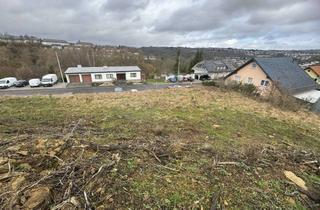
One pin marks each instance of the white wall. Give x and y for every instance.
(199, 70)
(104, 77)
(138, 77)
(114, 77)
(218, 75)
(54, 43)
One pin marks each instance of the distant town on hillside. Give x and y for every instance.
(305, 58)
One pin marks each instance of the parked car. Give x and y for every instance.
(172, 78)
(180, 78)
(188, 78)
(21, 83)
(205, 77)
(7, 82)
(49, 80)
(35, 82)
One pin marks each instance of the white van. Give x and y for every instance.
(7, 82)
(49, 80)
(34, 82)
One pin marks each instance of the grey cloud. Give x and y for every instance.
(292, 14)
(200, 23)
(211, 15)
(123, 6)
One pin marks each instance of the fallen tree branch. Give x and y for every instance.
(156, 157)
(214, 201)
(101, 167)
(310, 162)
(105, 148)
(228, 163)
(166, 167)
(87, 200)
(71, 200)
(67, 139)
(153, 154)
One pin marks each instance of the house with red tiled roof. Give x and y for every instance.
(314, 72)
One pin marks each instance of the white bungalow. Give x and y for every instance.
(81, 74)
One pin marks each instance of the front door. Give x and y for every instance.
(121, 76)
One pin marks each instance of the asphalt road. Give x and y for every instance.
(77, 90)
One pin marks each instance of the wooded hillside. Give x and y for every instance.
(26, 61)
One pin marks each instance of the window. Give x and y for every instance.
(250, 80)
(254, 65)
(133, 74)
(264, 83)
(109, 76)
(98, 76)
(237, 78)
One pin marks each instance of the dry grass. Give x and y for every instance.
(174, 143)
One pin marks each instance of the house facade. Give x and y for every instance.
(314, 72)
(54, 42)
(212, 68)
(103, 74)
(251, 74)
(268, 74)
(83, 44)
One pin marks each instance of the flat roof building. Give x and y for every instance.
(81, 74)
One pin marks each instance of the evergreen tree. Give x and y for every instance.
(176, 65)
(196, 59)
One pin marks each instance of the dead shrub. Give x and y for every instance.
(284, 100)
(159, 130)
(246, 89)
(279, 99)
(209, 83)
(252, 155)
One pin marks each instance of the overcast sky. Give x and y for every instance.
(261, 24)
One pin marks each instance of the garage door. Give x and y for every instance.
(74, 78)
(86, 78)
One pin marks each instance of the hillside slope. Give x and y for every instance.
(197, 148)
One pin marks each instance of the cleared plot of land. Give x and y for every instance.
(185, 148)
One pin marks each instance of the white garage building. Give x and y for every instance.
(81, 74)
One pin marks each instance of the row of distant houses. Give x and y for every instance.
(215, 69)
(267, 74)
(54, 43)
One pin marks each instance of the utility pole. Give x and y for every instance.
(60, 68)
(93, 58)
(179, 65)
(89, 59)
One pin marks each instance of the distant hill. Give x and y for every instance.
(299, 55)
(27, 56)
